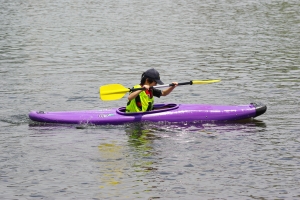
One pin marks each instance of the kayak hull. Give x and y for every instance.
(162, 112)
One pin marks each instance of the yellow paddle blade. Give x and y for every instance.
(206, 81)
(112, 92)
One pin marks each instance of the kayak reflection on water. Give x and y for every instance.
(147, 129)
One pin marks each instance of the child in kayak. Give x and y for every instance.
(142, 100)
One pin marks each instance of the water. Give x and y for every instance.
(54, 55)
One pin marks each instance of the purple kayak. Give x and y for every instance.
(168, 112)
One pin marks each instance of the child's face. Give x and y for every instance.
(153, 83)
(150, 84)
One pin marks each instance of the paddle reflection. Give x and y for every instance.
(111, 154)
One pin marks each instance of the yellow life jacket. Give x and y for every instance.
(141, 103)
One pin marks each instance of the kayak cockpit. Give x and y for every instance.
(156, 109)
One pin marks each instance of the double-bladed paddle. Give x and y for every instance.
(117, 91)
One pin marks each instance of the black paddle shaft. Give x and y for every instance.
(136, 89)
(184, 83)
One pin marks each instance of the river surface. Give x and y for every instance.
(54, 55)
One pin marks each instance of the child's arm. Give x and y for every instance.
(136, 93)
(169, 90)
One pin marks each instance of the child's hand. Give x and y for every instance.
(146, 86)
(174, 84)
